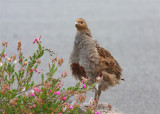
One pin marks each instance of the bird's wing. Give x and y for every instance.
(110, 65)
(96, 61)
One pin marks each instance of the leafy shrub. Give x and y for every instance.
(47, 96)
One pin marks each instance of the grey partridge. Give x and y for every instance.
(89, 60)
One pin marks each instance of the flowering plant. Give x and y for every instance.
(20, 94)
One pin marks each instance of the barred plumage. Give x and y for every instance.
(89, 59)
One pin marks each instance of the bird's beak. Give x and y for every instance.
(76, 23)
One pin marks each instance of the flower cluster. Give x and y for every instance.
(19, 46)
(37, 90)
(63, 75)
(19, 93)
(37, 40)
(80, 98)
(35, 70)
(51, 52)
(60, 61)
(5, 87)
(5, 43)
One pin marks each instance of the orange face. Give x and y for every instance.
(80, 24)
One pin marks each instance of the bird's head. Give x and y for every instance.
(81, 25)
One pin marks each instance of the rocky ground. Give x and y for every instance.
(103, 108)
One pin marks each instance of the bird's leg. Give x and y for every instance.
(97, 96)
(96, 92)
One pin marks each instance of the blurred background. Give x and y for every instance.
(129, 29)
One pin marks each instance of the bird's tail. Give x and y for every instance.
(110, 79)
(123, 79)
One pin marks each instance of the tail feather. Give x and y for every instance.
(110, 79)
(123, 79)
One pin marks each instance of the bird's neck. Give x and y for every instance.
(82, 35)
(84, 32)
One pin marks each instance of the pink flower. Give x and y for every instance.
(84, 86)
(60, 113)
(31, 70)
(57, 93)
(64, 98)
(97, 112)
(36, 90)
(35, 70)
(16, 99)
(39, 72)
(4, 55)
(70, 107)
(35, 40)
(34, 105)
(82, 82)
(50, 92)
(32, 94)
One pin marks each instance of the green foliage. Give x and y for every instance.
(28, 97)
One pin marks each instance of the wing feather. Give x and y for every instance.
(111, 65)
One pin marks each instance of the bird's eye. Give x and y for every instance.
(81, 22)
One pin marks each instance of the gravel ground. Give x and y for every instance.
(129, 29)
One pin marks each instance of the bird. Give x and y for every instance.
(91, 61)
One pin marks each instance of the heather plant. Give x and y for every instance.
(20, 94)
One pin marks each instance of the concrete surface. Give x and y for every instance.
(129, 29)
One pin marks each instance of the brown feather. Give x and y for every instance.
(110, 63)
(89, 59)
(78, 71)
